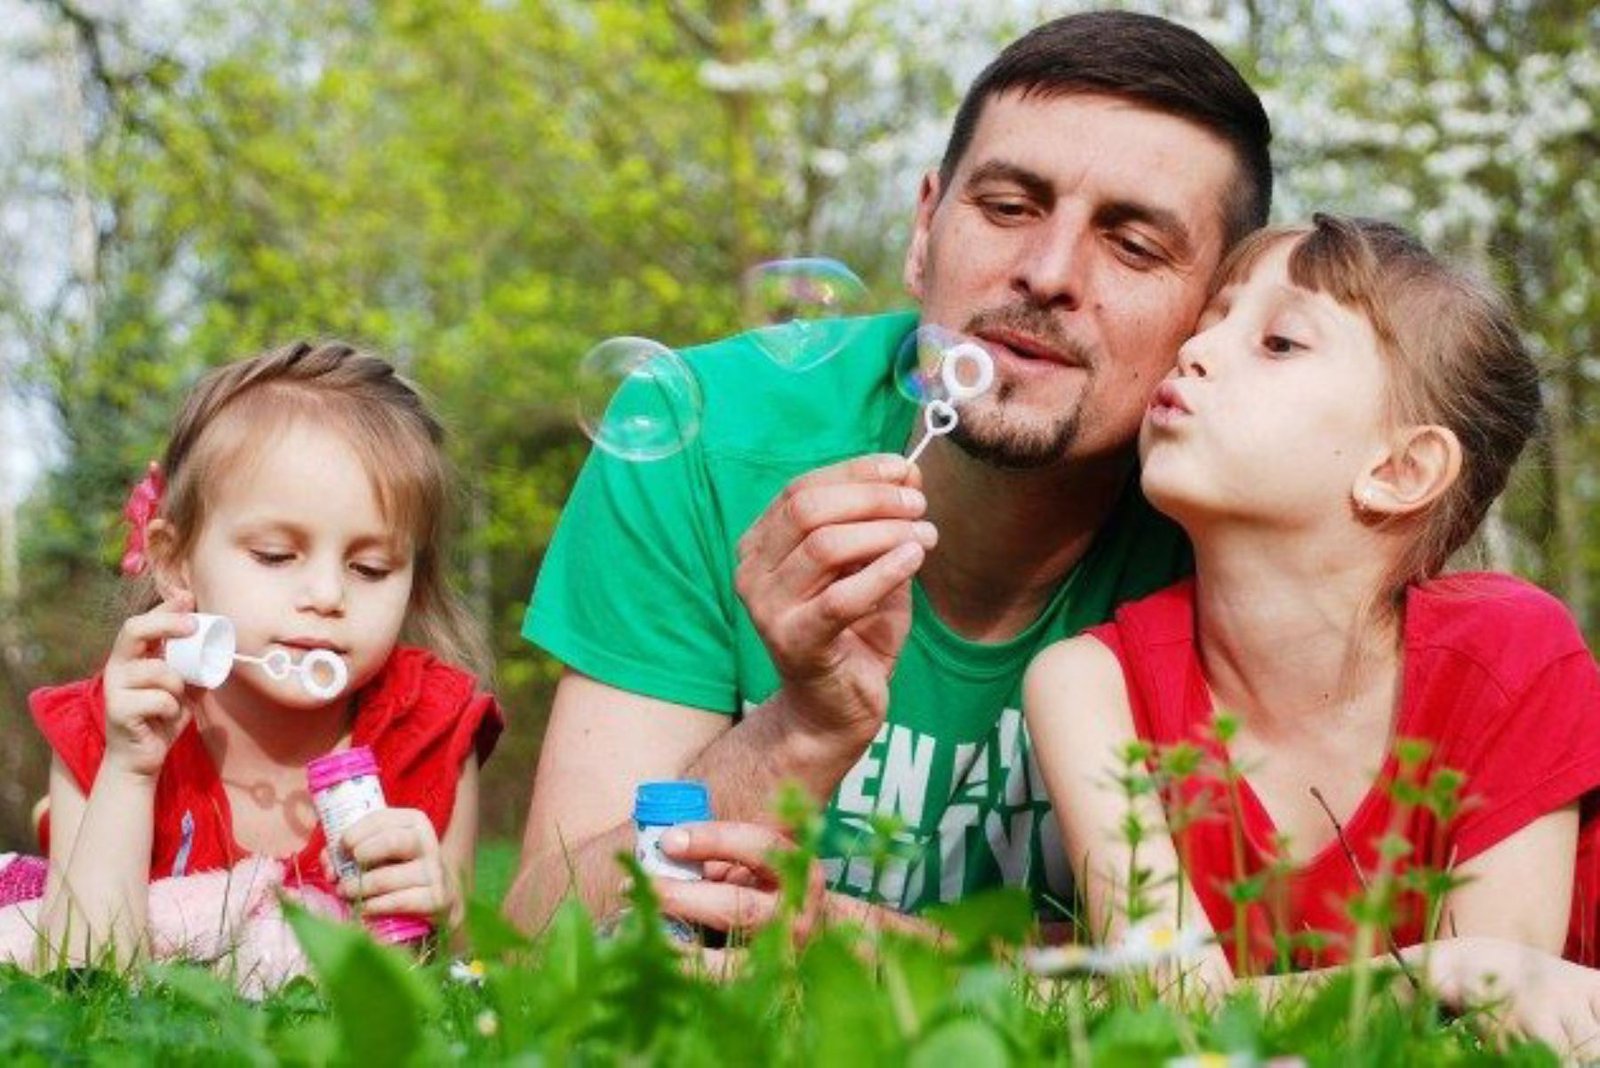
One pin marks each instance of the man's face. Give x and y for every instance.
(1076, 241)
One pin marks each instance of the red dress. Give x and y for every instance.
(1495, 677)
(420, 716)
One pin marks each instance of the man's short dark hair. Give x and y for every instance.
(1150, 61)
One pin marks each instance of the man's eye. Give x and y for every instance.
(1135, 252)
(270, 557)
(1006, 210)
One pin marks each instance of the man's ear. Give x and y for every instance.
(161, 546)
(917, 251)
(1415, 469)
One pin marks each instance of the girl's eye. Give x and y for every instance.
(1279, 345)
(270, 557)
(371, 572)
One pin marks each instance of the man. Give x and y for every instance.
(789, 600)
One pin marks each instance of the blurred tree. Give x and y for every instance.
(481, 191)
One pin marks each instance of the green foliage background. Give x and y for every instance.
(483, 190)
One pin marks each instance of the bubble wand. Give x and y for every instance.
(206, 658)
(940, 417)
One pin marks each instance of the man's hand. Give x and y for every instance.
(402, 866)
(742, 891)
(826, 575)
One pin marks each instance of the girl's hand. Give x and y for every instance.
(145, 712)
(402, 867)
(1527, 991)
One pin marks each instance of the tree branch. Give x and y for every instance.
(696, 26)
(1475, 31)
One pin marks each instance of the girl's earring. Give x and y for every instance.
(1364, 499)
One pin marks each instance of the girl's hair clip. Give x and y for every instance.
(143, 503)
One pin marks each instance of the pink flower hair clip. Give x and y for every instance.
(143, 503)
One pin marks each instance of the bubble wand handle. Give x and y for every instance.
(938, 419)
(323, 673)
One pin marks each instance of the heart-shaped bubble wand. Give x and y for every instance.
(939, 416)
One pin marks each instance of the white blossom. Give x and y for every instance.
(752, 77)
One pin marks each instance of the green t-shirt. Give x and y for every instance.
(637, 592)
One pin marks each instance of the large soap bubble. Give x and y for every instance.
(798, 309)
(637, 399)
(937, 363)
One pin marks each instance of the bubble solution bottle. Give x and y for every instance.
(658, 806)
(344, 787)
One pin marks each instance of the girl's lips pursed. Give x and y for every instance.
(1167, 405)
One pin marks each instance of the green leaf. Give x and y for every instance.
(379, 1000)
(196, 986)
(490, 934)
(967, 1043)
(846, 1016)
(1002, 916)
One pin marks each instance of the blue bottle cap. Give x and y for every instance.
(662, 804)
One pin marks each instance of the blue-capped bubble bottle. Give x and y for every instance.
(658, 806)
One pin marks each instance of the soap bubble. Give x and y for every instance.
(637, 399)
(798, 309)
(935, 363)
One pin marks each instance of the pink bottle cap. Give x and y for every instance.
(335, 768)
(397, 929)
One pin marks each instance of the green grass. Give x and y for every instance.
(574, 996)
(497, 864)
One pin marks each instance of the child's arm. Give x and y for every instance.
(1520, 888)
(1510, 926)
(461, 836)
(96, 896)
(1076, 704)
(406, 867)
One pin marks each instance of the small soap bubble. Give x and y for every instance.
(935, 363)
(637, 399)
(798, 309)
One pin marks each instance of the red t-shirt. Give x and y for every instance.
(1495, 676)
(420, 716)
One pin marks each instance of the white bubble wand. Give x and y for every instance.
(940, 417)
(206, 658)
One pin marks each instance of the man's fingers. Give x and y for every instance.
(746, 844)
(720, 905)
(830, 553)
(814, 624)
(721, 871)
(862, 488)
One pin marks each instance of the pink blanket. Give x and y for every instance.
(230, 920)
